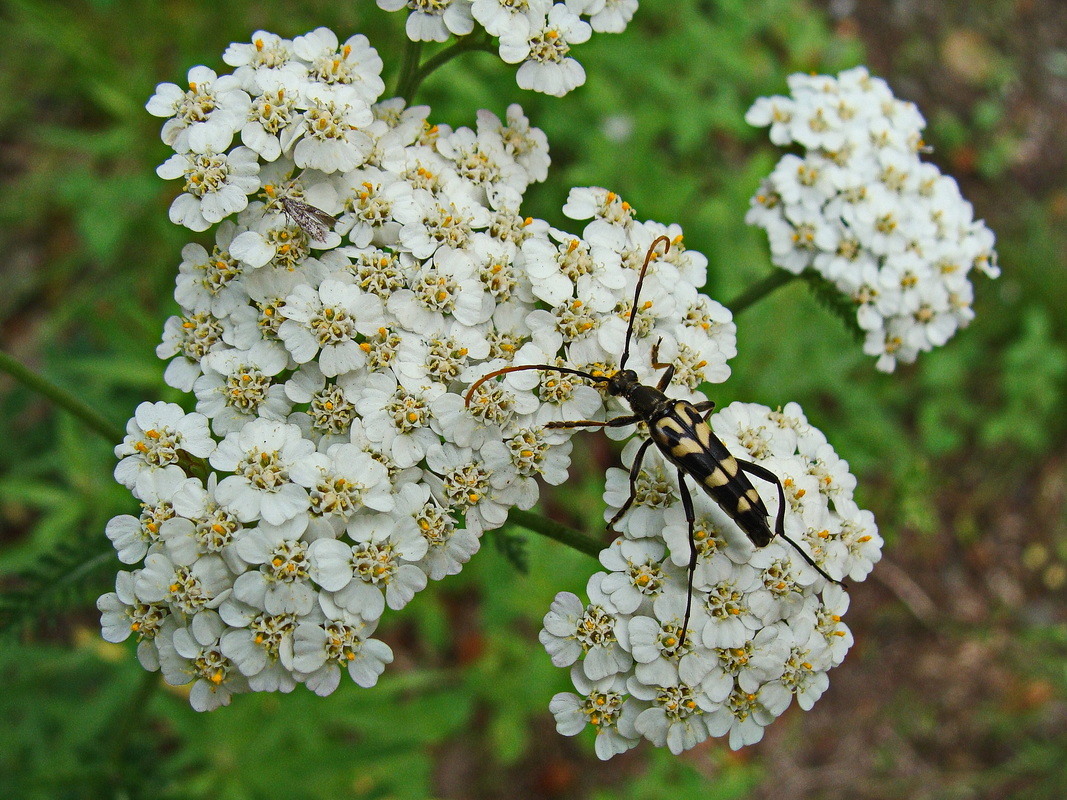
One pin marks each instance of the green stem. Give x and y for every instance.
(758, 291)
(61, 397)
(413, 74)
(412, 54)
(128, 725)
(73, 577)
(555, 530)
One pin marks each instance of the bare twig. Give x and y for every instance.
(911, 594)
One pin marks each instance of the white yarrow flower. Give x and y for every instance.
(433, 20)
(261, 454)
(216, 185)
(863, 211)
(546, 66)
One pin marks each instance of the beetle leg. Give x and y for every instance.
(770, 477)
(622, 422)
(666, 378)
(705, 406)
(635, 470)
(655, 355)
(617, 422)
(779, 525)
(690, 517)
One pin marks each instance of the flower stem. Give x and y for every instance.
(412, 74)
(761, 289)
(404, 87)
(128, 725)
(555, 530)
(61, 397)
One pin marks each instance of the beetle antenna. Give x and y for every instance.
(811, 561)
(637, 294)
(546, 367)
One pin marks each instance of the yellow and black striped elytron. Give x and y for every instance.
(681, 431)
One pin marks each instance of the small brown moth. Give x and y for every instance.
(315, 222)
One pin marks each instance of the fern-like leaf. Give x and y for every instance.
(513, 547)
(67, 578)
(831, 298)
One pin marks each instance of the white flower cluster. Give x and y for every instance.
(535, 34)
(332, 467)
(865, 212)
(764, 625)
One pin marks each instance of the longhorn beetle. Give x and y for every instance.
(686, 440)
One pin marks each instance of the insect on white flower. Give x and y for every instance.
(315, 222)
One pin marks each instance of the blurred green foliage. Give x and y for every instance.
(91, 260)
